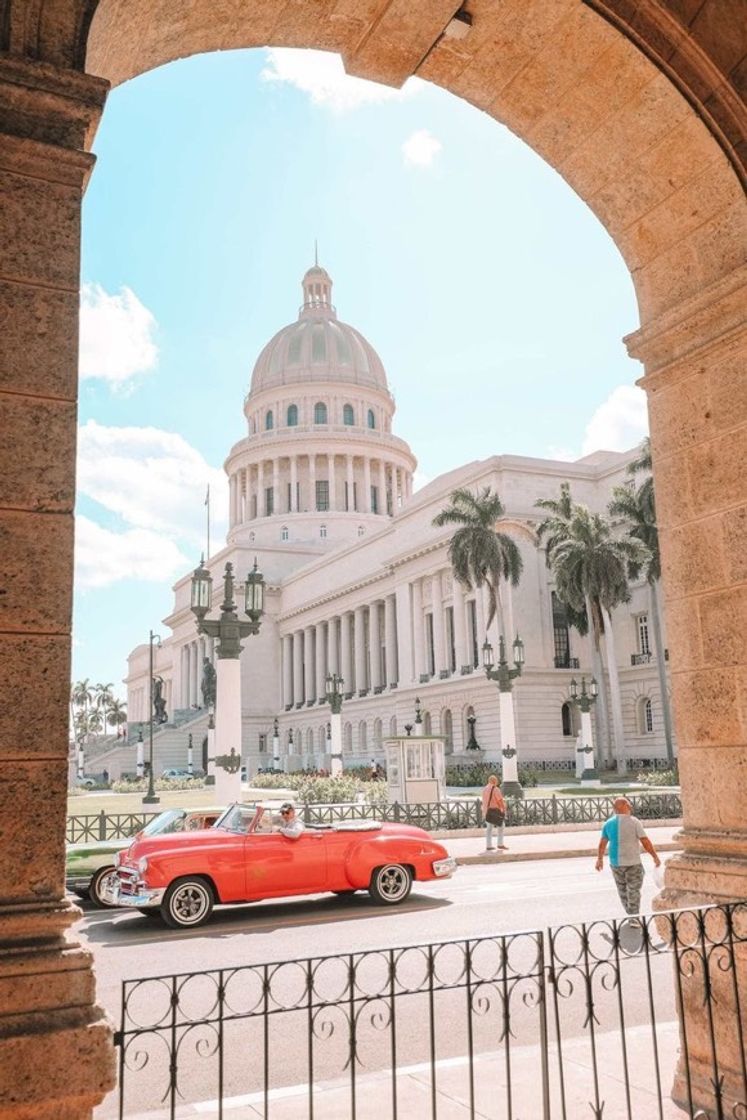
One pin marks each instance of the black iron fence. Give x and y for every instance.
(433, 816)
(579, 1021)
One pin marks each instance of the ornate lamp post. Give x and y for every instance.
(334, 693)
(150, 797)
(140, 756)
(504, 676)
(81, 761)
(229, 632)
(585, 752)
(419, 727)
(275, 744)
(190, 756)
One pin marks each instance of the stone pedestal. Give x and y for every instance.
(56, 1056)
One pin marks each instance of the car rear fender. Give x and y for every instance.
(368, 854)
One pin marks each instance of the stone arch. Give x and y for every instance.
(378, 738)
(347, 737)
(362, 737)
(447, 730)
(646, 125)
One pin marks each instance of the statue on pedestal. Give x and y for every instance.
(208, 686)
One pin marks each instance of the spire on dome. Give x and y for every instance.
(317, 289)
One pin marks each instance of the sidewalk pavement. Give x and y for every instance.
(547, 845)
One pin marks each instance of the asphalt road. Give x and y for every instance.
(478, 902)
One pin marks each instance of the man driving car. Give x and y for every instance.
(290, 825)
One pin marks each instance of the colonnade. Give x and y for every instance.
(192, 655)
(288, 484)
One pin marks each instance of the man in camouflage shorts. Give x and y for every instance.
(625, 836)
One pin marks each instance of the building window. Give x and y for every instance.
(430, 645)
(263, 743)
(323, 532)
(561, 637)
(348, 416)
(284, 533)
(378, 738)
(362, 736)
(642, 627)
(292, 416)
(320, 413)
(451, 638)
(347, 738)
(269, 501)
(269, 422)
(473, 637)
(566, 717)
(645, 717)
(322, 495)
(447, 730)
(374, 499)
(371, 418)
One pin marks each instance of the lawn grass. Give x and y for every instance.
(96, 801)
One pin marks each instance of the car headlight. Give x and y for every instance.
(142, 865)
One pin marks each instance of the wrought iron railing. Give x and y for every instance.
(580, 1021)
(433, 816)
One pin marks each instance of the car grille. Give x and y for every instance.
(128, 880)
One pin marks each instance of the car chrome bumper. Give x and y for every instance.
(144, 898)
(444, 867)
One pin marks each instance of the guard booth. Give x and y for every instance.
(415, 768)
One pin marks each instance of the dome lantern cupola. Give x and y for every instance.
(317, 291)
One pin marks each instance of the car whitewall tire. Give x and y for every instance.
(98, 885)
(187, 903)
(390, 884)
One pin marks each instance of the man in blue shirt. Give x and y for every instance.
(625, 836)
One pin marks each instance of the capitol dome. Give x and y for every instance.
(317, 347)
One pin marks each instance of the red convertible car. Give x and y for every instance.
(245, 858)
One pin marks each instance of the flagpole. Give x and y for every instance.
(207, 506)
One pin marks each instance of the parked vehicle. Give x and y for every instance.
(245, 858)
(89, 866)
(182, 772)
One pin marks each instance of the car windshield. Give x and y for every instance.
(171, 820)
(237, 818)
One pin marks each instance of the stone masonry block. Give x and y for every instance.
(734, 525)
(39, 231)
(692, 557)
(36, 571)
(723, 626)
(718, 472)
(37, 449)
(35, 676)
(38, 341)
(706, 705)
(32, 837)
(713, 782)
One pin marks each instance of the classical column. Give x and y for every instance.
(308, 664)
(351, 482)
(287, 669)
(298, 667)
(332, 662)
(261, 510)
(320, 659)
(382, 487)
(366, 503)
(461, 644)
(346, 650)
(311, 503)
(405, 667)
(390, 639)
(439, 643)
(374, 638)
(56, 1059)
(418, 629)
(332, 482)
(361, 676)
(293, 506)
(276, 504)
(195, 686)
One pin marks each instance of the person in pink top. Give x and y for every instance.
(493, 812)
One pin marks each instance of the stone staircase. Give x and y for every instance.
(169, 748)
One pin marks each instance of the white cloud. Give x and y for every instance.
(619, 423)
(103, 557)
(420, 149)
(419, 480)
(116, 335)
(322, 76)
(154, 480)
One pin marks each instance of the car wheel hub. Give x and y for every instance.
(189, 903)
(392, 882)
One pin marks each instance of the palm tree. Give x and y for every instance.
(636, 510)
(591, 567)
(117, 714)
(104, 696)
(479, 555)
(82, 695)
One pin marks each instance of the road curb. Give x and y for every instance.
(566, 853)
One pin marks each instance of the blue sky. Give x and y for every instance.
(494, 297)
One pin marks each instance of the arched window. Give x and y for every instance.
(322, 738)
(309, 741)
(427, 724)
(371, 418)
(284, 533)
(393, 725)
(378, 740)
(320, 413)
(447, 730)
(347, 737)
(566, 719)
(292, 417)
(645, 716)
(362, 736)
(269, 422)
(323, 532)
(348, 416)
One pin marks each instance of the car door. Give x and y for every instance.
(276, 865)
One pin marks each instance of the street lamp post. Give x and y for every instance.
(334, 693)
(150, 797)
(419, 726)
(140, 756)
(275, 744)
(504, 676)
(229, 631)
(585, 701)
(81, 761)
(190, 756)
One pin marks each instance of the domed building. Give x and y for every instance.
(358, 582)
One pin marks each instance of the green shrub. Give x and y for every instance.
(658, 778)
(478, 773)
(329, 791)
(140, 785)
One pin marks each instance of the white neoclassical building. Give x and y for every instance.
(358, 580)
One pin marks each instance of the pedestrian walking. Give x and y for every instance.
(494, 813)
(625, 836)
